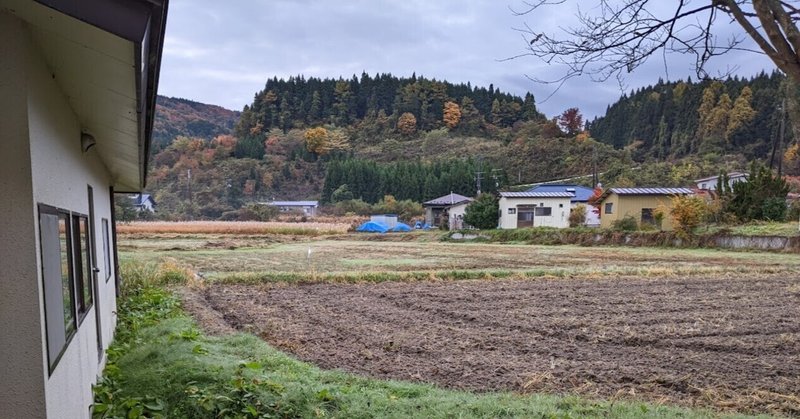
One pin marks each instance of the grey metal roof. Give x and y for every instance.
(294, 203)
(537, 194)
(651, 191)
(449, 199)
(731, 175)
(582, 193)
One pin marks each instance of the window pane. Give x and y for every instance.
(66, 281)
(86, 286)
(106, 249)
(82, 266)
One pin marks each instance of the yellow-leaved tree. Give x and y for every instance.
(322, 141)
(452, 115)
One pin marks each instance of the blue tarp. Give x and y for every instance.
(400, 227)
(372, 227)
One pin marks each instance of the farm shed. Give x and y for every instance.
(534, 209)
(639, 203)
(448, 209)
(78, 82)
(581, 197)
(308, 208)
(144, 202)
(710, 183)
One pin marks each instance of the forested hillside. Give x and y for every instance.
(181, 117)
(359, 139)
(673, 120)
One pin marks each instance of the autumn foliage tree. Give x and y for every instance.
(687, 213)
(571, 121)
(452, 115)
(322, 141)
(407, 124)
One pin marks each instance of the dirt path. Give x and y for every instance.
(729, 343)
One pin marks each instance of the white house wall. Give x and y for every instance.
(592, 217)
(23, 369)
(60, 173)
(559, 217)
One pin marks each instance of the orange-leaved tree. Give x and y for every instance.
(407, 123)
(451, 115)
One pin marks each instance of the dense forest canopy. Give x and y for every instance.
(672, 120)
(299, 102)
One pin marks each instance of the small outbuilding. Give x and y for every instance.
(144, 202)
(307, 208)
(448, 210)
(639, 203)
(710, 183)
(534, 209)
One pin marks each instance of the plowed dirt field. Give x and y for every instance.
(730, 342)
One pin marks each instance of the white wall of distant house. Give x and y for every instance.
(559, 216)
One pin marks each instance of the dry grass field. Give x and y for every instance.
(231, 227)
(692, 327)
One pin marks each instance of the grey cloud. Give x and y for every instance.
(223, 52)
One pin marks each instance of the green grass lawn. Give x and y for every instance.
(788, 229)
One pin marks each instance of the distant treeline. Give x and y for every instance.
(302, 102)
(417, 181)
(676, 119)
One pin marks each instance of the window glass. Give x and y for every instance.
(83, 272)
(66, 277)
(543, 211)
(647, 216)
(106, 249)
(512, 210)
(55, 246)
(609, 208)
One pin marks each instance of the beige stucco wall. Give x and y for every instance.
(47, 141)
(632, 205)
(559, 217)
(22, 382)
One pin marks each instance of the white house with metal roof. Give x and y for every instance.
(534, 209)
(78, 82)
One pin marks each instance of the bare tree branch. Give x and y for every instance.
(614, 37)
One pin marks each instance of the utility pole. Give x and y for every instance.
(781, 138)
(595, 176)
(479, 175)
(189, 190)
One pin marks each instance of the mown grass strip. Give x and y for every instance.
(353, 277)
(162, 366)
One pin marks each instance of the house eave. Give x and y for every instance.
(143, 23)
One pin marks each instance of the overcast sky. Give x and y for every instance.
(223, 52)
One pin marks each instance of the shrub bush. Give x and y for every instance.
(483, 213)
(687, 213)
(577, 216)
(627, 223)
(774, 209)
